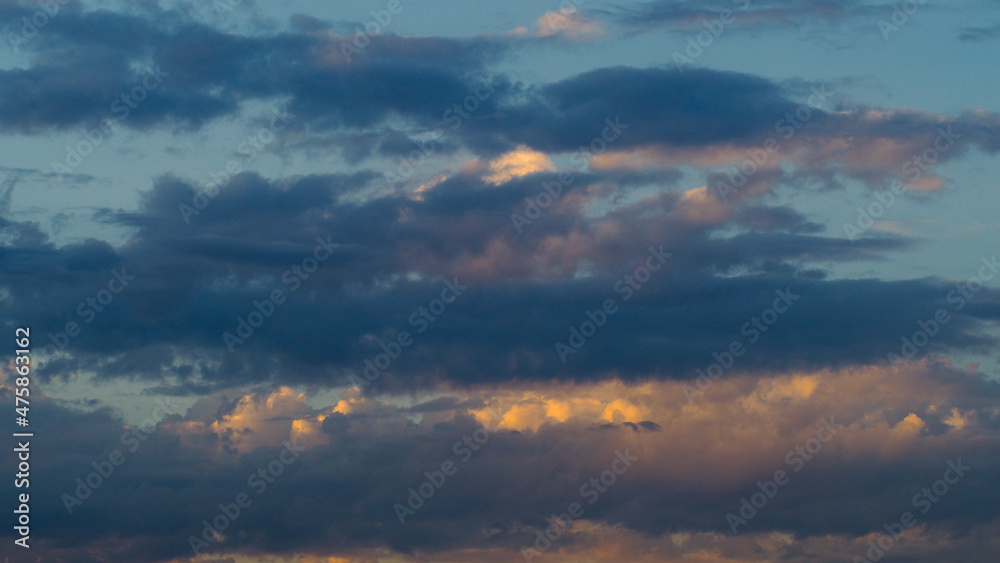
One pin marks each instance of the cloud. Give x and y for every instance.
(378, 105)
(256, 421)
(525, 292)
(632, 119)
(567, 23)
(975, 34)
(562, 272)
(685, 15)
(75, 76)
(520, 162)
(898, 429)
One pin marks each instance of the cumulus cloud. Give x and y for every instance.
(893, 432)
(567, 23)
(520, 162)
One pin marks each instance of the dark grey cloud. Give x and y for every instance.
(193, 281)
(685, 15)
(77, 74)
(193, 270)
(700, 108)
(658, 107)
(83, 61)
(377, 101)
(976, 34)
(198, 279)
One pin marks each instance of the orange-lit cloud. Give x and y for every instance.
(520, 162)
(567, 23)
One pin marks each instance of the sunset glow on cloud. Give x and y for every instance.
(400, 282)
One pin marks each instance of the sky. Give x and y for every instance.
(421, 281)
